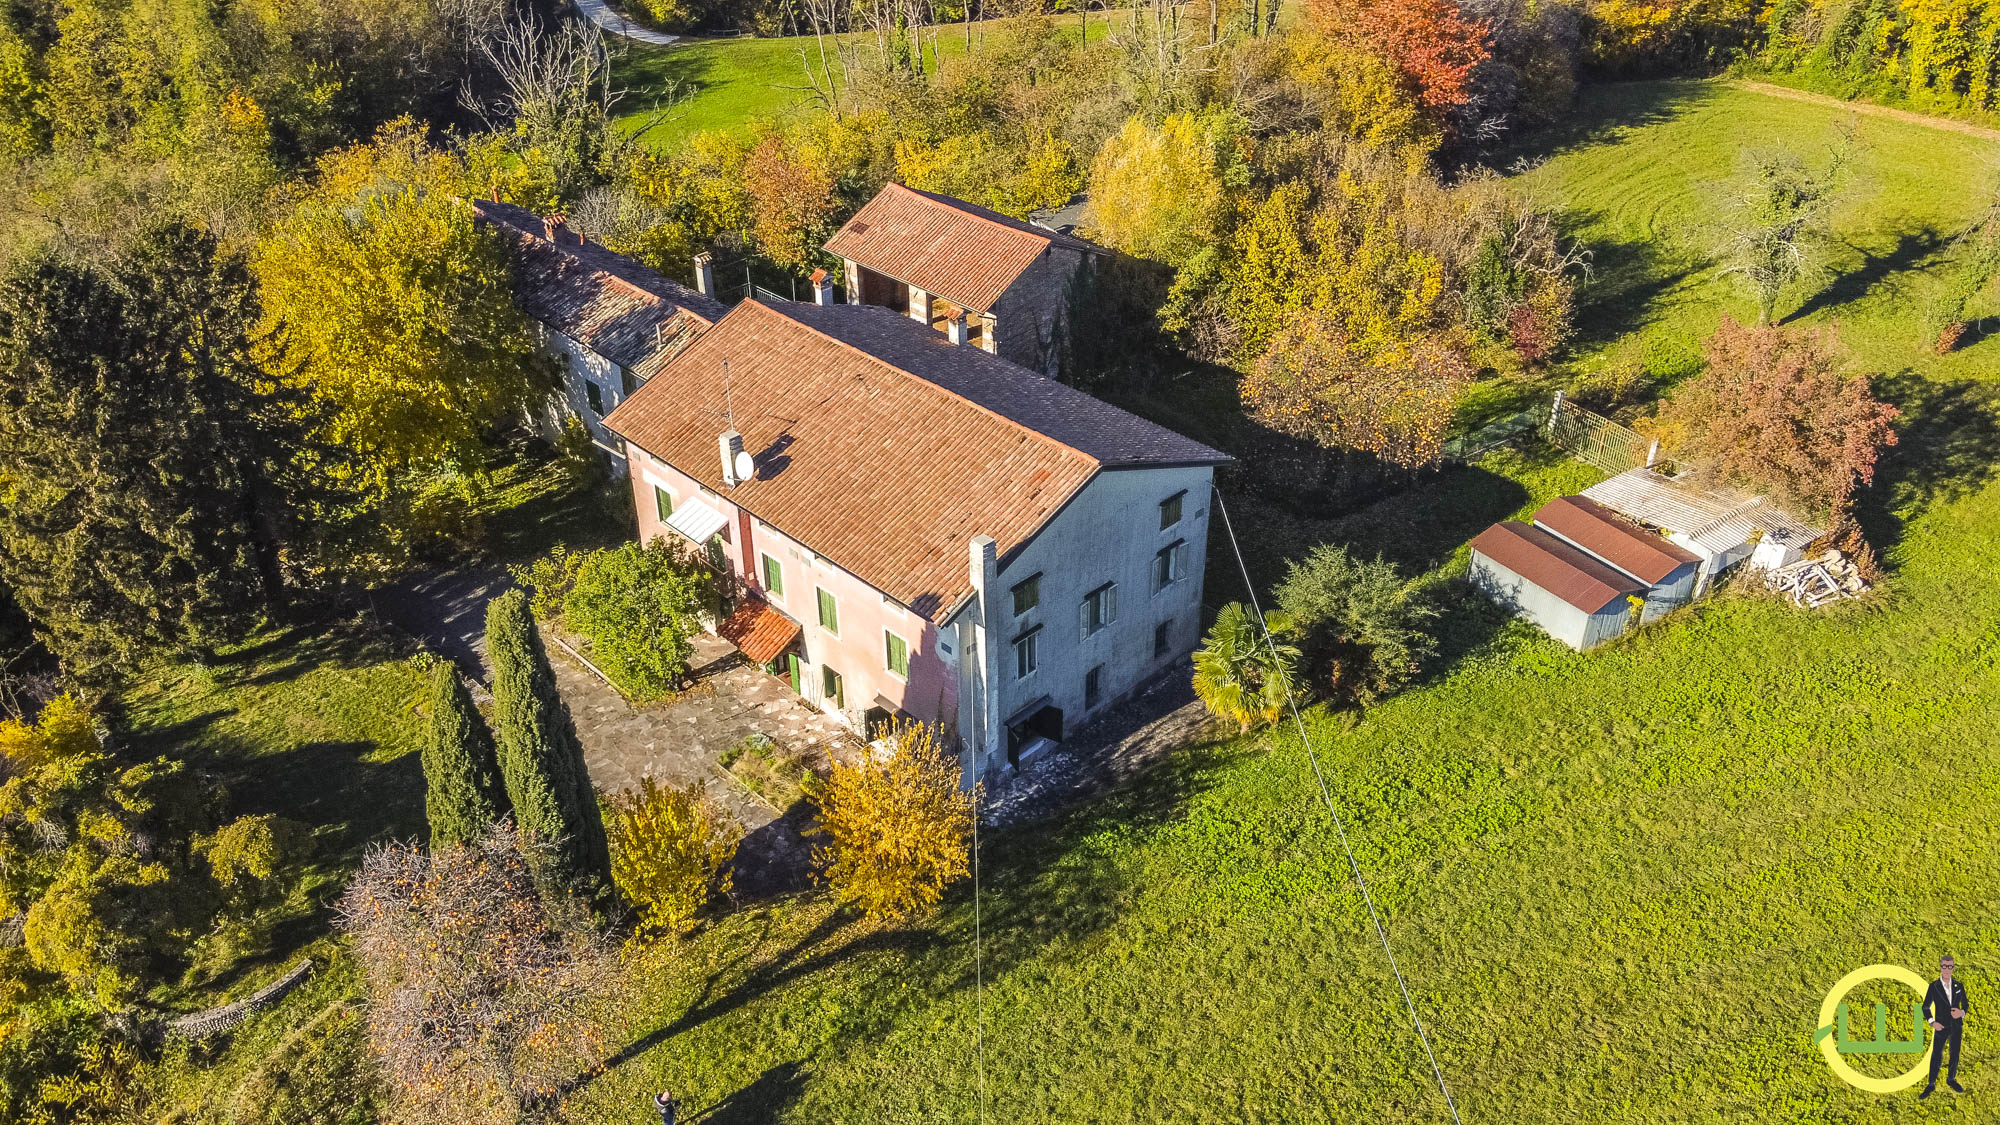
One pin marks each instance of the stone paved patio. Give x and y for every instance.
(679, 741)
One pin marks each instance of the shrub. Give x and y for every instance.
(252, 850)
(640, 607)
(550, 579)
(671, 853)
(897, 828)
(1364, 630)
(1238, 675)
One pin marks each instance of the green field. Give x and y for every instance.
(728, 83)
(1620, 884)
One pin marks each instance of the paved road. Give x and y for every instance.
(615, 23)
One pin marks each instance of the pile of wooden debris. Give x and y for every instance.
(1814, 581)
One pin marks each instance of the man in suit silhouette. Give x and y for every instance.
(1945, 1005)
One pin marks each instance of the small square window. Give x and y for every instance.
(1027, 594)
(1170, 510)
(663, 503)
(1163, 639)
(829, 613)
(774, 577)
(595, 396)
(898, 654)
(626, 382)
(1093, 687)
(1027, 653)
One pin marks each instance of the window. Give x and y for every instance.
(663, 503)
(1169, 565)
(1098, 609)
(898, 654)
(836, 691)
(718, 555)
(626, 382)
(1027, 594)
(1093, 687)
(1163, 639)
(1170, 510)
(829, 613)
(774, 577)
(595, 396)
(1027, 653)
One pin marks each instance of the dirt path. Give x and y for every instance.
(1945, 123)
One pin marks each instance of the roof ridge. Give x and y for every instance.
(528, 238)
(913, 376)
(938, 197)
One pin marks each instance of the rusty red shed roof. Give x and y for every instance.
(1604, 533)
(1555, 566)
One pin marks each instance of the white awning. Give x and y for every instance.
(697, 521)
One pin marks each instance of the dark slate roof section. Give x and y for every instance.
(605, 301)
(1111, 436)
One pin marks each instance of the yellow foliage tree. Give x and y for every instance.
(397, 314)
(897, 828)
(671, 851)
(1156, 192)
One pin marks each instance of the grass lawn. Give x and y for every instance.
(728, 83)
(1620, 884)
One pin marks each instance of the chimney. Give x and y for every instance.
(553, 225)
(954, 329)
(704, 274)
(822, 288)
(730, 445)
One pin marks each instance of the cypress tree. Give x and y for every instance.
(541, 760)
(461, 776)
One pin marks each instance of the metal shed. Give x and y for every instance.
(1719, 525)
(1666, 570)
(1573, 597)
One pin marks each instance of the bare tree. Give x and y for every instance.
(553, 91)
(1779, 222)
(484, 988)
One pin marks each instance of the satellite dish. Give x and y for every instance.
(746, 465)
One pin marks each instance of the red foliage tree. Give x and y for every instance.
(1431, 42)
(1774, 412)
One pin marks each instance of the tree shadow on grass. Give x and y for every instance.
(1603, 112)
(758, 1103)
(1947, 447)
(1626, 277)
(1912, 248)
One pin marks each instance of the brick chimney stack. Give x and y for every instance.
(822, 288)
(955, 329)
(704, 274)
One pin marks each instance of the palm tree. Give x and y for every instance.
(1242, 675)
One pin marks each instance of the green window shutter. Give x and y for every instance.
(595, 396)
(774, 576)
(1109, 611)
(898, 655)
(829, 613)
(663, 503)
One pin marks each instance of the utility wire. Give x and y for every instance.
(978, 966)
(1381, 932)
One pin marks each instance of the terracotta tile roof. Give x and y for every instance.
(881, 445)
(603, 300)
(1555, 566)
(1603, 533)
(947, 247)
(758, 631)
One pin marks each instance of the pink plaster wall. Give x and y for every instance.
(859, 652)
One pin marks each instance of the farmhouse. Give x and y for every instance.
(925, 529)
(985, 279)
(1575, 597)
(610, 323)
